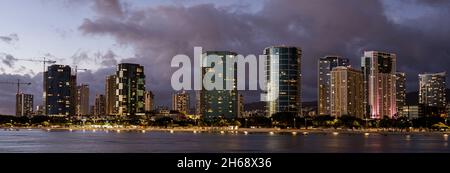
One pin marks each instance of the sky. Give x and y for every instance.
(98, 34)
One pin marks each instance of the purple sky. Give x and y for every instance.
(98, 34)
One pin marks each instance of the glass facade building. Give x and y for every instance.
(283, 76)
(60, 91)
(219, 102)
(130, 88)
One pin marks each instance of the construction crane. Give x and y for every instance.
(44, 61)
(18, 83)
(79, 69)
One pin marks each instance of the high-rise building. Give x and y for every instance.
(219, 102)
(24, 104)
(379, 70)
(432, 89)
(100, 105)
(39, 110)
(326, 65)
(149, 101)
(411, 111)
(283, 76)
(110, 94)
(82, 101)
(181, 102)
(92, 109)
(198, 102)
(130, 90)
(346, 92)
(400, 85)
(60, 91)
(241, 106)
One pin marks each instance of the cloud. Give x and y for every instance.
(10, 38)
(319, 27)
(79, 57)
(109, 8)
(8, 59)
(108, 59)
(8, 91)
(95, 80)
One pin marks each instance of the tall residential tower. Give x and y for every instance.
(24, 104)
(326, 65)
(379, 70)
(346, 92)
(283, 74)
(217, 103)
(82, 100)
(400, 86)
(110, 95)
(180, 102)
(130, 89)
(432, 89)
(60, 91)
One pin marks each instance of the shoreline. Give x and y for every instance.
(234, 131)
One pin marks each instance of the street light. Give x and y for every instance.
(271, 122)
(306, 126)
(294, 122)
(367, 124)
(246, 123)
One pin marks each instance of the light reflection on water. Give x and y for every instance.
(41, 141)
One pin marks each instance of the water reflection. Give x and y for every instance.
(150, 141)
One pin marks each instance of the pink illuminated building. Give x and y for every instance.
(379, 70)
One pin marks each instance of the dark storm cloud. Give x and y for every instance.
(319, 27)
(10, 38)
(429, 2)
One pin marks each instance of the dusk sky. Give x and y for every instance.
(99, 34)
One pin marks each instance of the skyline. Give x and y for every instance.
(141, 32)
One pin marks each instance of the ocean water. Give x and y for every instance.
(42, 141)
